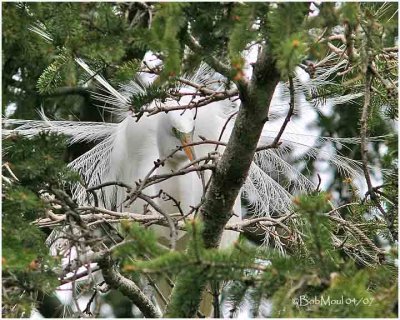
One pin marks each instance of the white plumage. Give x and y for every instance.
(126, 150)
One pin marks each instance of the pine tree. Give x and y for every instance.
(333, 255)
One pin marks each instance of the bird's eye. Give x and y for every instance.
(175, 132)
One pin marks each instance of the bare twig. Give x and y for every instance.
(87, 309)
(224, 127)
(275, 143)
(206, 90)
(341, 207)
(77, 276)
(194, 104)
(248, 222)
(171, 224)
(111, 183)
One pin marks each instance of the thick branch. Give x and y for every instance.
(231, 171)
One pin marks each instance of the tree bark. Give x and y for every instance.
(127, 287)
(230, 173)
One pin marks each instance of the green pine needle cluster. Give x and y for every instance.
(27, 267)
(286, 35)
(51, 78)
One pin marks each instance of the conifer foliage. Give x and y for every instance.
(332, 253)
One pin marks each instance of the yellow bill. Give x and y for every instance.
(186, 139)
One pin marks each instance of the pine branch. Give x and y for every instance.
(216, 64)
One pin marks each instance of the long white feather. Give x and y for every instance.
(75, 131)
(272, 180)
(120, 99)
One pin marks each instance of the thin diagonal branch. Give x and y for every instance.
(364, 150)
(275, 143)
(171, 223)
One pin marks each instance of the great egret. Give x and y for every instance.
(127, 149)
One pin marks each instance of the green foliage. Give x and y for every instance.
(151, 93)
(350, 13)
(328, 15)
(317, 229)
(20, 289)
(24, 55)
(287, 35)
(216, 263)
(315, 281)
(98, 32)
(139, 241)
(127, 71)
(390, 187)
(35, 164)
(379, 20)
(211, 30)
(27, 266)
(241, 33)
(22, 243)
(165, 36)
(51, 77)
(113, 38)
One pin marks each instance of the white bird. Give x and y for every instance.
(128, 148)
(127, 151)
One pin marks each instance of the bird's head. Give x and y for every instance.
(176, 129)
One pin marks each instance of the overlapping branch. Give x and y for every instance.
(229, 173)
